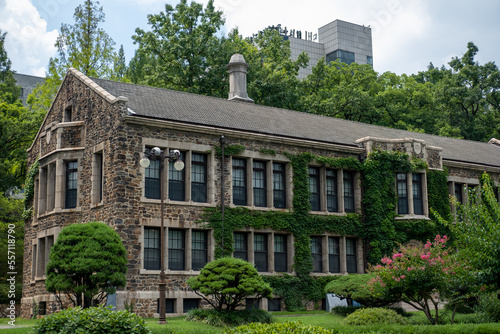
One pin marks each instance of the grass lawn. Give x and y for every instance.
(178, 325)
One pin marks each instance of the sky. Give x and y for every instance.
(407, 34)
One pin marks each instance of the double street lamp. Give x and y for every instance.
(157, 154)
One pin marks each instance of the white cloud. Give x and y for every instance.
(28, 43)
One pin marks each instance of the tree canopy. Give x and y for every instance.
(87, 263)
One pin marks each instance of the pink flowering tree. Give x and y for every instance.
(422, 276)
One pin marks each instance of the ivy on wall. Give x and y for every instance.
(377, 225)
(29, 188)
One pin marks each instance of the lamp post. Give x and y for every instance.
(156, 153)
(222, 190)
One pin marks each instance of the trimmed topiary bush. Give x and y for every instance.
(373, 316)
(93, 320)
(228, 318)
(344, 310)
(294, 327)
(227, 282)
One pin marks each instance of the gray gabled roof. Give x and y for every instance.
(158, 103)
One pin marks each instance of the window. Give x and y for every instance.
(239, 182)
(199, 249)
(71, 184)
(42, 308)
(459, 191)
(280, 253)
(369, 60)
(176, 249)
(348, 191)
(152, 180)
(169, 305)
(97, 178)
(199, 177)
(402, 187)
(176, 182)
(279, 190)
(252, 304)
(189, 304)
(274, 304)
(314, 188)
(259, 184)
(260, 251)
(41, 255)
(331, 190)
(240, 246)
(351, 255)
(316, 251)
(152, 250)
(344, 56)
(418, 203)
(334, 254)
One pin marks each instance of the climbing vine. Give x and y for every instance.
(229, 150)
(29, 189)
(377, 225)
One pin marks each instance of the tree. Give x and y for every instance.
(225, 283)
(476, 228)
(83, 46)
(355, 287)
(422, 276)
(179, 41)
(8, 89)
(87, 263)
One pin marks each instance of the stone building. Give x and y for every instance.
(96, 131)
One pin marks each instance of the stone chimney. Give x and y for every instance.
(237, 69)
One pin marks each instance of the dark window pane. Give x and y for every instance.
(239, 182)
(252, 303)
(274, 304)
(458, 192)
(169, 305)
(199, 177)
(176, 249)
(71, 184)
(351, 255)
(259, 184)
(314, 189)
(333, 254)
(176, 182)
(348, 191)
(316, 251)
(152, 180)
(402, 193)
(279, 190)
(418, 203)
(152, 248)
(199, 249)
(260, 251)
(280, 253)
(189, 304)
(240, 246)
(331, 190)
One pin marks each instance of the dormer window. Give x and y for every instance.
(68, 114)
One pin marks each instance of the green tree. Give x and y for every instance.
(476, 229)
(87, 263)
(356, 287)
(226, 283)
(84, 46)
(119, 66)
(180, 41)
(8, 89)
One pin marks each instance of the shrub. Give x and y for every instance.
(372, 316)
(294, 327)
(225, 283)
(228, 318)
(344, 310)
(489, 307)
(93, 320)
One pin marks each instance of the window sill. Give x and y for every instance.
(39, 278)
(169, 202)
(412, 217)
(262, 208)
(96, 205)
(328, 213)
(169, 272)
(59, 210)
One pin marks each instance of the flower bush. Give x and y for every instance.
(421, 276)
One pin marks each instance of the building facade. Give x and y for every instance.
(348, 42)
(89, 149)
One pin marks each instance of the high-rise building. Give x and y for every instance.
(349, 42)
